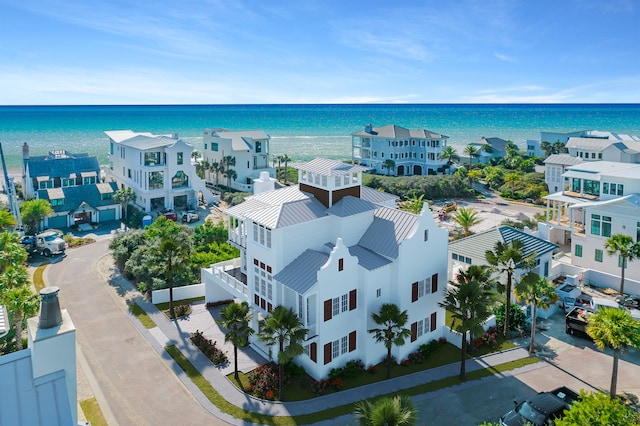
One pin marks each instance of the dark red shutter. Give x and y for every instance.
(352, 341)
(433, 321)
(352, 300)
(269, 307)
(434, 283)
(255, 262)
(327, 353)
(328, 309)
(313, 349)
(262, 303)
(256, 299)
(340, 264)
(414, 292)
(414, 331)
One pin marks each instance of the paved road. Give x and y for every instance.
(135, 386)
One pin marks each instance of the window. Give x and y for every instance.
(214, 146)
(422, 327)
(598, 255)
(340, 264)
(262, 235)
(620, 189)
(180, 158)
(620, 262)
(57, 202)
(179, 180)
(637, 232)
(340, 304)
(258, 147)
(601, 225)
(454, 256)
(595, 224)
(605, 188)
(578, 250)
(379, 292)
(151, 158)
(426, 234)
(68, 182)
(156, 180)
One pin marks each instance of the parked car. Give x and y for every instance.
(577, 320)
(540, 409)
(629, 301)
(190, 216)
(169, 214)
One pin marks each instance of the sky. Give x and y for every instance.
(103, 52)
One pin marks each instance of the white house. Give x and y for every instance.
(334, 251)
(488, 149)
(602, 199)
(39, 384)
(249, 151)
(157, 167)
(413, 152)
(554, 167)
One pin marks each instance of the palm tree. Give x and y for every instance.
(6, 220)
(537, 292)
(615, 329)
(285, 159)
(214, 168)
(451, 155)
(392, 330)
(627, 251)
(231, 175)
(512, 178)
(468, 301)
(11, 251)
(471, 151)
(414, 205)
(388, 164)
(172, 246)
(280, 327)
(33, 212)
(235, 318)
(473, 176)
(547, 148)
(22, 303)
(466, 217)
(506, 259)
(398, 410)
(124, 196)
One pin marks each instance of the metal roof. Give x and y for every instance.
(391, 131)
(564, 159)
(141, 141)
(26, 401)
(368, 259)
(76, 195)
(289, 213)
(477, 245)
(61, 167)
(388, 230)
(240, 140)
(351, 205)
(633, 199)
(302, 273)
(328, 167)
(377, 197)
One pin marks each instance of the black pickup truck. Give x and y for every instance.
(540, 409)
(577, 320)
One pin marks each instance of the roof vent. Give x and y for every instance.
(50, 315)
(368, 128)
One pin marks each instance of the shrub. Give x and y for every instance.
(442, 340)
(318, 387)
(219, 303)
(516, 317)
(292, 369)
(264, 382)
(372, 369)
(208, 348)
(182, 310)
(337, 383)
(416, 357)
(428, 348)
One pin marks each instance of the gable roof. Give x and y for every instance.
(496, 143)
(75, 195)
(67, 167)
(392, 131)
(141, 141)
(478, 244)
(390, 227)
(350, 205)
(32, 402)
(240, 140)
(377, 197)
(324, 166)
(289, 213)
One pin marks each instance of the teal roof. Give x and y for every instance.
(76, 195)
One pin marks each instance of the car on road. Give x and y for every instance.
(190, 216)
(169, 214)
(540, 409)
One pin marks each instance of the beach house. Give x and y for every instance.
(334, 251)
(72, 185)
(488, 149)
(236, 158)
(157, 167)
(398, 151)
(601, 198)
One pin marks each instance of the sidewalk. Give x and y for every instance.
(178, 332)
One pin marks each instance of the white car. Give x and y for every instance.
(190, 216)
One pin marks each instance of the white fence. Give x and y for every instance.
(179, 293)
(455, 338)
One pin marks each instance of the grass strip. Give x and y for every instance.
(165, 305)
(216, 399)
(141, 315)
(92, 412)
(38, 280)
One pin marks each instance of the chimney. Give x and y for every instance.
(368, 128)
(264, 184)
(174, 135)
(25, 151)
(50, 315)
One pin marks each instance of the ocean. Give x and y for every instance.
(303, 132)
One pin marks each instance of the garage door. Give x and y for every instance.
(108, 214)
(58, 221)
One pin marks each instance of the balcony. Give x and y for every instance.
(228, 275)
(238, 236)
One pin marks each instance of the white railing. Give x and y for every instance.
(237, 236)
(220, 272)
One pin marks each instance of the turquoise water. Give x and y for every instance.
(302, 132)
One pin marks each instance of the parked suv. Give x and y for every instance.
(540, 409)
(629, 301)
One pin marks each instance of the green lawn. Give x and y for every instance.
(141, 315)
(217, 399)
(92, 412)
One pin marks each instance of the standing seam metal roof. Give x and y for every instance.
(479, 244)
(388, 230)
(350, 205)
(302, 273)
(328, 167)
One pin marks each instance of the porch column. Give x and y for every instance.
(547, 212)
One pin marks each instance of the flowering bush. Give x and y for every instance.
(337, 383)
(405, 362)
(442, 340)
(318, 388)
(351, 369)
(264, 381)
(182, 310)
(490, 337)
(372, 369)
(208, 348)
(416, 357)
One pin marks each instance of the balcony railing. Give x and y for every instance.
(229, 274)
